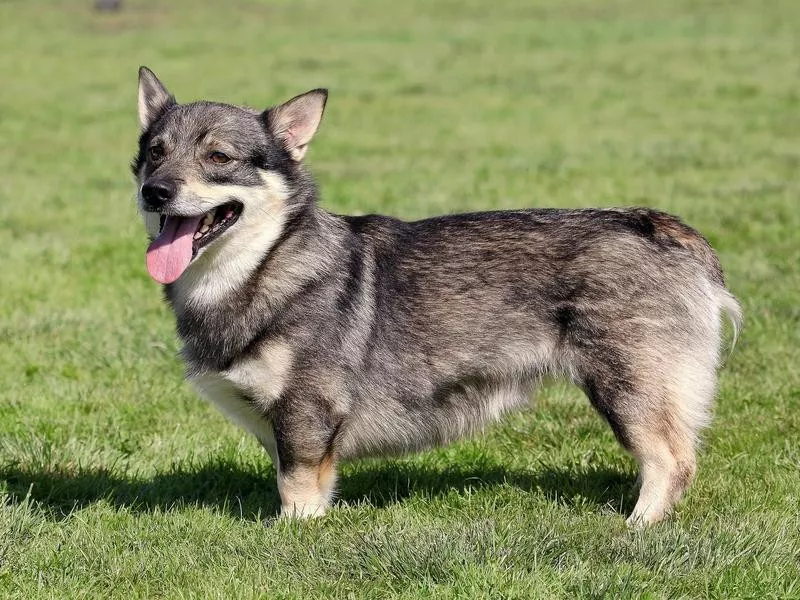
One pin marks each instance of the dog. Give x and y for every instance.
(334, 337)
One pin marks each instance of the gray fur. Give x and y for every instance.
(355, 336)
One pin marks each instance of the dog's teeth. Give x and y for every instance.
(209, 218)
(198, 235)
(204, 229)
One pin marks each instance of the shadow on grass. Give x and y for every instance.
(250, 493)
(243, 491)
(386, 483)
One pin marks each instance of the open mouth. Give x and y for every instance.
(181, 238)
(212, 225)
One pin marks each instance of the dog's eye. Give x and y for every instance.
(219, 158)
(156, 152)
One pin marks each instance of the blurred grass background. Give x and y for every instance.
(116, 480)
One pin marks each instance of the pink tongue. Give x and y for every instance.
(171, 252)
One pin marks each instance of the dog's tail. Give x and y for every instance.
(733, 311)
(725, 300)
(668, 226)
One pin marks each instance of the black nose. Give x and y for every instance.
(157, 193)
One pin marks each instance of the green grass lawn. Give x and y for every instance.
(116, 481)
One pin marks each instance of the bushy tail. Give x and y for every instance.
(730, 306)
(702, 251)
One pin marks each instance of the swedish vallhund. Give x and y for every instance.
(332, 337)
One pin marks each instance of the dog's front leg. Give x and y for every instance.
(306, 467)
(306, 490)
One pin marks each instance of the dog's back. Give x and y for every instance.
(470, 309)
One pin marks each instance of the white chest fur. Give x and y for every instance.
(246, 391)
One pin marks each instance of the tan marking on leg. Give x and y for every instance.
(327, 477)
(667, 461)
(301, 495)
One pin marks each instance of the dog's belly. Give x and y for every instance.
(231, 402)
(382, 428)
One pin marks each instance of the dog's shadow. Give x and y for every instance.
(250, 492)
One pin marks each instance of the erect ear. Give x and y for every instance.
(295, 122)
(154, 98)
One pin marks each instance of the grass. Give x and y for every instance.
(116, 481)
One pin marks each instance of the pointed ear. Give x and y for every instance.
(295, 122)
(154, 98)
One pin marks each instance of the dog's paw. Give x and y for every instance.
(303, 511)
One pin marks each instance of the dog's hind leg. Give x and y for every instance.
(657, 415)
(667, 444)
(667, 466)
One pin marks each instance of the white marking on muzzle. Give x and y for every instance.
(227, 262)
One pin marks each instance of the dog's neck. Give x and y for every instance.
(235, 295)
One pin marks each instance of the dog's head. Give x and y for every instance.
(207, 170)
